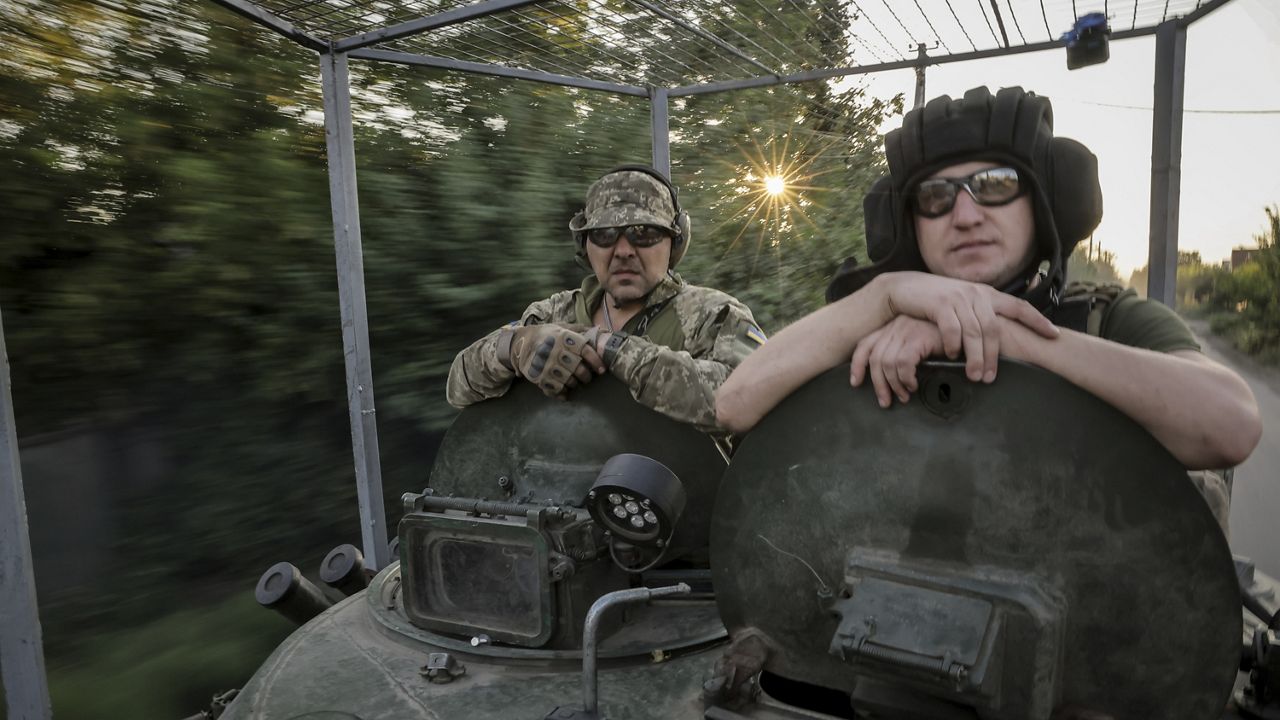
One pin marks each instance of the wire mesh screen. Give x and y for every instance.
(675, 43)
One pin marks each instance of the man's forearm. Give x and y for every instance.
(793, 357)
(477, 375)
(672, 382)
(1203, 413)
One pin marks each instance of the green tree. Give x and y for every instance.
(1101, 268)
(168, 259)
(1244, 300)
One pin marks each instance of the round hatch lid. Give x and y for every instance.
(526, 446)
(1014, 547)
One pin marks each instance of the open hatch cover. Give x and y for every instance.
(1017, 548)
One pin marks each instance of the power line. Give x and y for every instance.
(962, 28)
(1185, 110)
(1016, 25)
(1004, 34)
(984, 17)
(863, 14)
(931, 27)
(900, 23)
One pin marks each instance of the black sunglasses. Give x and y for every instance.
(642, 236)
(992, 187)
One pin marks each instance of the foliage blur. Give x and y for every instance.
(168, 266)
(1241, 302)
(1088, 265)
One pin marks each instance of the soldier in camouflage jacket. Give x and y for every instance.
(672, 343)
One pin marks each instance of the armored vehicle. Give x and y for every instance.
(1014, 550)
(921, 582)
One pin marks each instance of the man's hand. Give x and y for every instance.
(890, 355)
(554, 357)
(965, 314)
(598, 338)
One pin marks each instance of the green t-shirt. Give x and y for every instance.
(1143, 323)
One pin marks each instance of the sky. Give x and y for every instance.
(1230, 161)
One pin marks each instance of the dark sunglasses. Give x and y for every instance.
(638, 235)
(996, 186)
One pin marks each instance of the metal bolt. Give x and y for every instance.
(479, 640)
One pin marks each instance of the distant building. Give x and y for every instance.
(1243, 256)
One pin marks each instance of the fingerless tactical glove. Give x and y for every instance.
(545, 355)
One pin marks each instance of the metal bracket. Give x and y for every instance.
(442, 668)
(876, 628)
(859, 645)
(1258, 698)
(734, 684)
(560, 567)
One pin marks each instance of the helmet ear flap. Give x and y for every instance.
(879, 220)
(1076, 191)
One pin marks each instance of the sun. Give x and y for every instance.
(776, 188)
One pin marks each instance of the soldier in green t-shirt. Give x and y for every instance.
(672, 343)
(970, 234)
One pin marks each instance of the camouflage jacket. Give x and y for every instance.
(674, 364)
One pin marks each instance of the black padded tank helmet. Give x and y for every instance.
(1013, 128)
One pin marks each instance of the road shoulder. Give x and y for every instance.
(1220, 349)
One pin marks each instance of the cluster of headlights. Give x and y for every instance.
(632, 511)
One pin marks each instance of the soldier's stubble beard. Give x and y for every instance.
(646, 267)
(632, 289)
(624, 296)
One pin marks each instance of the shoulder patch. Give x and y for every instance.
(756, 334)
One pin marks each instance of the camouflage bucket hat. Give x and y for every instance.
(629, 197)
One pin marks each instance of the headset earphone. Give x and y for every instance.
(679, 227)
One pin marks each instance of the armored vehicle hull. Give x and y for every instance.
(363, 659)
(1011, 551)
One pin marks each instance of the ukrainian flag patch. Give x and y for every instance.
(756, 334)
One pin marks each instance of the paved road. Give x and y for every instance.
(1255, 501)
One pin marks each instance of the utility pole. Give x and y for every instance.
(22, 675)
(921, 56)
(1166, 160)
